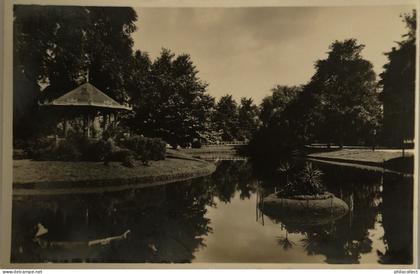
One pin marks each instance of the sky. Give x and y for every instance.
(247, 51)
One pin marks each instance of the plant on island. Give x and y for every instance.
(308, 182)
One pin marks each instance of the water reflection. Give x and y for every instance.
(397, 219)
(166, 223)
(232, 176)
(187, 222)
(370, 196)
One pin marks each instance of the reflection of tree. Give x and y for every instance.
(167, 224)
(336, 243)
(284, 241)
(231, 176)
(348, 238)
(341, 240)
(397, 219)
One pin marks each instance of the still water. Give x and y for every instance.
(217, 219)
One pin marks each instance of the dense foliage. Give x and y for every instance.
(146, 149)
(398, 84)
(171, 101)
(58, 48)
(79, 148)
(75, 147)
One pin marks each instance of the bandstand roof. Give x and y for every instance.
(86, 95)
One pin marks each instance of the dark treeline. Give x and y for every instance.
(398, 87)
(58, 48)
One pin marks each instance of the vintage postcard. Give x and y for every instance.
(209, 134)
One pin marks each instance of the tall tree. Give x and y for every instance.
(57, 47)
(398, 87)
(273, 106)
(225, 117)
(248, 120)
(280, 115)
(171, 100)
(346, 87)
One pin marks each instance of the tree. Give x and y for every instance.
(273, 106)
(171, 101)
(338, 105)
(280, 115)
(346, 87)
(398, 87)
(58, 47)
(248, 120)
(225, 118)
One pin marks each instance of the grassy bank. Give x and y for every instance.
(361, 155)
(390, 159)
(29, 174)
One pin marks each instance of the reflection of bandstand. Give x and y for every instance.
(86, 108)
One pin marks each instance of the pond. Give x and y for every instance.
(218, 219)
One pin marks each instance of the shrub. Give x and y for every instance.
(128, 161)
(76, 147)
(308, 182)
(196, 143)
(158, 149)
(113, 131)
(72, 148)
(146, 148)
(41, 149)
(90, 150)
(119, 155)
(67, 150)
(98, 150)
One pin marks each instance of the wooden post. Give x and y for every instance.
(65, 128)
(88, 125)
(104, 121)
(85, 125)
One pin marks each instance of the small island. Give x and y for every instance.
(304, 199)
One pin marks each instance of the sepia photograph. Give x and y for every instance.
(205, 135)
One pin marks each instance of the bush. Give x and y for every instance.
(308, 182)
(128, 161)
(119, 155)
(75, 148)
(146, 148)
(67, 150)
(196, 143)
(88, 149)
(158, 149)
(113, 131)
(98, 150)
(41, 149)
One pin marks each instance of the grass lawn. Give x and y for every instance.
(360, 155)
(56, 174)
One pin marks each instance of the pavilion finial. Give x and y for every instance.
(87, 75)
